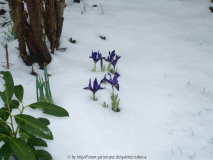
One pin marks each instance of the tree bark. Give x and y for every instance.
(48, 18)
(22, 46)
(36, 29)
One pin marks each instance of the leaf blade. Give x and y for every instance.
(21, 149)
(9, 87)
(5, 129)
(19, 92)
(44, 121)
(34, 126)
(43, 155)
(36, 142)
(5, 151)
(14, 104)
(4, 113)
(50, 109)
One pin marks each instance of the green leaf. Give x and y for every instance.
(34, 126)
(2, 136)
(43, 155)
(19, 92)
(36, 142)
(21, 150)
(14, 104)
(24, 135)
(5, 129)
(4, 114)
(3, 96)
(50, 109)
(5, 151)
(44, 121)
(9, 87)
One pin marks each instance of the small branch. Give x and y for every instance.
(192, 130)
(6, 62)
(7, 57)
(180, 150)
(102, 8)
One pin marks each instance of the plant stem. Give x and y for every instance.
(94, 70)
(94, 97)
(101, 64)
(22, 108)
(10, 117)
(12, 123)
(17, 129)
(109, 65)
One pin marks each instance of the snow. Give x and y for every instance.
(166, 91)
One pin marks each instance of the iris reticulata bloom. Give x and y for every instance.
(114, 62)
(95, 88)
(110, 59)
(113, 82)
(96, 56)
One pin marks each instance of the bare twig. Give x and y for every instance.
(102, 8)
(7, 57)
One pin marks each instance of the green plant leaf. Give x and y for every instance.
(50, 109)
(5, 151)
(24, 135)
(43, 155)
(19, 92)
(21, 150)
(34, 126)
(44, 121)
(9, 87)
(2, 137)
(5, 129)
(14, 104)
(36, 142)
(4, 114)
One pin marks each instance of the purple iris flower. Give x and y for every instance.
(113, 82)
(95, 88)
(110, 57)
(96, 56)
(114, 62)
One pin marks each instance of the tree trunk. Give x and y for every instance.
(44, 21)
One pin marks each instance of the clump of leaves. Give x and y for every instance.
(29, 132)
(105, 105)
(43, 88)
(10, 35)
(114, 83)
(115, 103)
(3, 45)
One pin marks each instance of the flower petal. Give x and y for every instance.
(116, 86)
(87, 88)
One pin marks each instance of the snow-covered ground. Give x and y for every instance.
(166, 82)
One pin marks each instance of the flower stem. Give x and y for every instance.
(94, 70)
(94, 97)
(114, 70)
(109, 66)
(102, 65)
